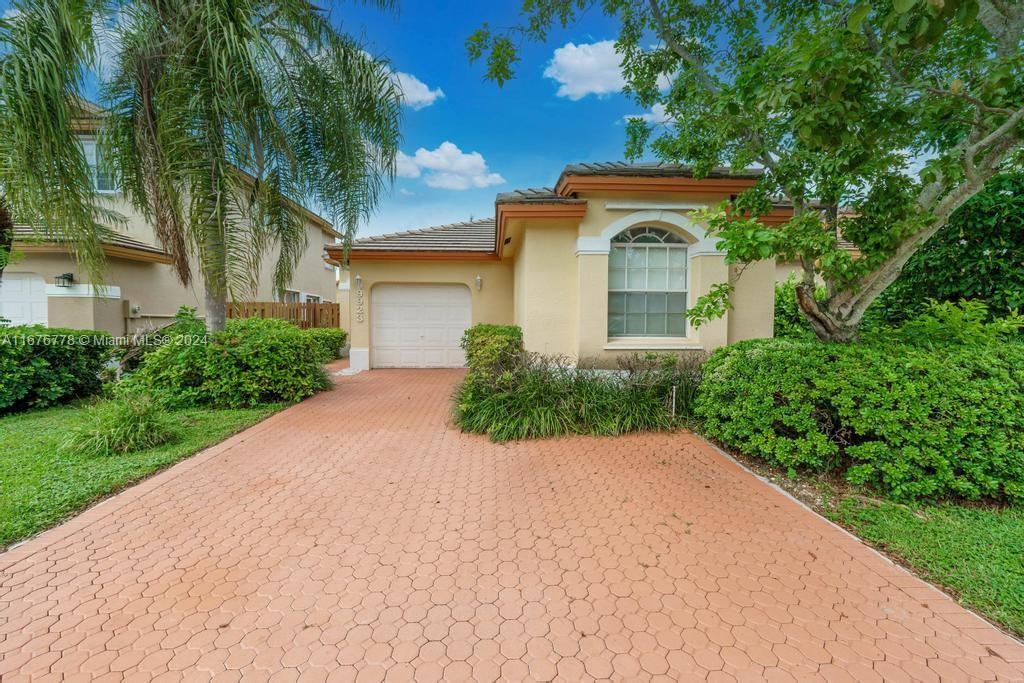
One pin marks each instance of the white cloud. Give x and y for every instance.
(416, 93)
(405, 193)
(656, 115)
(586, 69)
(405, 166)
(590, 69)
(12, 13)
(447, 168)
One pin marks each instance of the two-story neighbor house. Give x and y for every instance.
(46, 286)
(605, 263)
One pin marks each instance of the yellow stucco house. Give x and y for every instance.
(140, 291)
(604, 263)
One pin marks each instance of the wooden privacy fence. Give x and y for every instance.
(305, 315)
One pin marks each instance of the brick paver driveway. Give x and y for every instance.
(359, 536)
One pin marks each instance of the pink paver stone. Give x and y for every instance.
(361, 536)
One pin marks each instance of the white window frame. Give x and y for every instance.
(90, 148)
(682, 246)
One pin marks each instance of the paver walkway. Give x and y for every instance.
(358, 535)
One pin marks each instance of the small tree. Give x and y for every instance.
(833, 99)
(219, 115)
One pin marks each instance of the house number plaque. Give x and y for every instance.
(360, 308)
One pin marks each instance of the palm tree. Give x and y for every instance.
(221, 113)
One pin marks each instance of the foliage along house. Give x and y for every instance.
(46, 286)
(605, 263)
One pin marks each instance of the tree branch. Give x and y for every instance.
(677, 47)
(853, 303)
(993, 138)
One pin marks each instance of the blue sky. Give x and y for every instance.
(525, 132)
(462, 147)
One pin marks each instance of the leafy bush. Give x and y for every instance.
(979, 254)
(530, 396)
(964, 322)
(490, 345)
(42, 366)
(252, 362)
(790, 323)
(126, 425)
(175, 369)
(185, 323)
(910, 422)
(329, 342)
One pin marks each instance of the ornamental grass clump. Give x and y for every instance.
(131, 423)
(510, 394)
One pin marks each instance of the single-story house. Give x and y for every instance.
(604, 263)
(141, 291)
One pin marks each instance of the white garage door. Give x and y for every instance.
(23, 298)
(418, 326)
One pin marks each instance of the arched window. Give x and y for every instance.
(647, 284)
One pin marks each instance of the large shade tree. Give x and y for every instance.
(841, 102)
(219, 115)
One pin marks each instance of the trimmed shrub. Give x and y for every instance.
(257, 360)
(122, 426)
(531, 396)
(329, 342)
(910, 422)
(41, 366)
(489, 345)
(252, 362)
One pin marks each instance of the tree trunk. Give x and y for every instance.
(215, 275)
(6, 235)
(216, 308)
(825, 324)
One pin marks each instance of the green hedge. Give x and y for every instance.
(252, 362)
(489, 345)
(907, 421)
(329, 342)
(42, 366)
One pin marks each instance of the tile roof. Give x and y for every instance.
(651, 169)
(23, 233)
(535, 195)
(475, 235)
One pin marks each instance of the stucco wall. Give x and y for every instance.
(753, 301)
(155, 288)
(547, 288)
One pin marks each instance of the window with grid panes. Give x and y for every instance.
(647, 284)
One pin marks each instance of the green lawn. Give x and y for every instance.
(977, 552)
(40, 485)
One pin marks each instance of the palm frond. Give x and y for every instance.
(46, 49)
